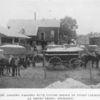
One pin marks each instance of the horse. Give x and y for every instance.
(22, 62)
(4, 65)
(17, 66)
(12, 64)
(89, 57)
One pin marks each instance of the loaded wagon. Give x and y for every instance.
(15, 50)
(67, 55)
(12, 49)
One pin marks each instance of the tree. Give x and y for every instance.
(68, 28)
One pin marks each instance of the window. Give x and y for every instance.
(16, 40)
(42, 36)
(52, 34)
(6, 40)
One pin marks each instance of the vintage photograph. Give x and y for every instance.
(50, 44)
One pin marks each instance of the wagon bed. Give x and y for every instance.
(63, 56)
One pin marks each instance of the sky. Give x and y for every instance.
(86, 12)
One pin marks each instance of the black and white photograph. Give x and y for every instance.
(50, 44)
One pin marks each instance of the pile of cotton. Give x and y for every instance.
(95, 86)
(68, 83)
(55, 85)
(71, 83)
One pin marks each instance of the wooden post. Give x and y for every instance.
(90, 73)
(58, 36)
(44, 66)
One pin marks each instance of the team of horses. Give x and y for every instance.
(93, 57)
(12, 65)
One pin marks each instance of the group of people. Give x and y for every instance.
(13, 64)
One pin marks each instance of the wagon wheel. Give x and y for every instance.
(75, 62)
(54, 62)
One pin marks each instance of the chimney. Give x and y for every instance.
(35, 16)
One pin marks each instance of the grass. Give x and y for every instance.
(34, 77)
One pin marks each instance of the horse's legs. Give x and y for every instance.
(18, 71)
(92, 62)
(97, 64)
(2, 70)
(85, 63)
(13, 71)
(7, 68)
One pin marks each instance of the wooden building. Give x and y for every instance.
(94, 39)
(8, 36)
(44, 30)
(83, 39)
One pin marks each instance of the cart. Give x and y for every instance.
(69, 57)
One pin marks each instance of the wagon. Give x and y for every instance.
(12, 49)
(66, 55)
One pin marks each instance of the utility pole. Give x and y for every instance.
(90, 73)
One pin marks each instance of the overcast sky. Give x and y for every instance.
(86, 12)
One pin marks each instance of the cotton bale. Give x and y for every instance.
(13, 49)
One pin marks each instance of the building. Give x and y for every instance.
(44, 30)
(83, 39)
(94, 39)
(7, 36)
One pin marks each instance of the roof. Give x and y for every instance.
(28, 25)
(48, 23)
(31, 26)
(10, 33)
(3, 31)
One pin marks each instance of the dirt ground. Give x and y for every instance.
(35, 77)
